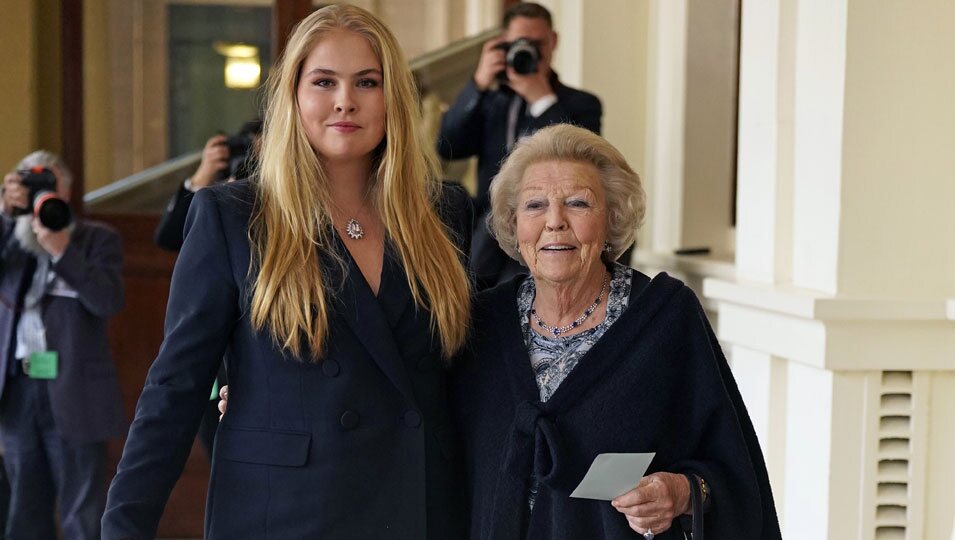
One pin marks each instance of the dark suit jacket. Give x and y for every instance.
(85, 397)
(358, 445)
(169, 231)
(476, 125)
(656, 381)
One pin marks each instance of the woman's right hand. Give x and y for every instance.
(656, 501)
(223, 400)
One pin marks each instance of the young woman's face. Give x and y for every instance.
(341, 100)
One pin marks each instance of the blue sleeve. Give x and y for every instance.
(200, 318)
(462, 125)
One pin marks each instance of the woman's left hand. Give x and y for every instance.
(656, 501)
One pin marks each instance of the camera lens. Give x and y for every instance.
(523, 57)
(54, 213)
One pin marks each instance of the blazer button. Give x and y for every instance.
(412, 419)
(331, 368)
(349, 420)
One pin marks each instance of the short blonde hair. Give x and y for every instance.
(626, 200)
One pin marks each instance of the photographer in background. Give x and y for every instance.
(513, 94)
(223, 158)
(60, 401)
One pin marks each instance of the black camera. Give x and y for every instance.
(241, 152)
(523, 56)
(53, 212)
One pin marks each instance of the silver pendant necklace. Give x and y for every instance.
(354, 230)
(558, 330)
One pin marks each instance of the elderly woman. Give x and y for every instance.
(585, 357)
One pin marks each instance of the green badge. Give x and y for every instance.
(215, 390)
(43, 365)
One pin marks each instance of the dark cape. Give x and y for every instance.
(656, 381)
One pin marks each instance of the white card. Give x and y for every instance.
(612, 475)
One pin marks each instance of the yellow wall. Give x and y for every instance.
(49, 76)
(17, 101)
(30, 98)
(97, 110)
(31, 83)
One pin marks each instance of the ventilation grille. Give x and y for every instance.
(894, 456)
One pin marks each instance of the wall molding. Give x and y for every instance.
(833, 333)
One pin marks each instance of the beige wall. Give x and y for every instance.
(710, 124)
(49, 108)
(898, 158)
(30, 100)
(690, 131)
(97, 95)
(17, 84)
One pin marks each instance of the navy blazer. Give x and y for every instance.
(85, 397)
(358, 445)
(168, 233)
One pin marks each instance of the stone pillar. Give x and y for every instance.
(840, 307)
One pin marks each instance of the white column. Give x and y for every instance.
(666, 97)
(763, 382)
(845, 267)
(820, 84)
(764, 163)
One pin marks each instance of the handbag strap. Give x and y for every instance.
(696, 497)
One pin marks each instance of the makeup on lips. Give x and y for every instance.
(345, 127)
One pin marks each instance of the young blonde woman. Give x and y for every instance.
(334, 287)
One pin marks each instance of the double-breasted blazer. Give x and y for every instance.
(357, 445)
(84, 397)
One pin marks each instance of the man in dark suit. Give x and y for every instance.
(59, 396)
(498, 107)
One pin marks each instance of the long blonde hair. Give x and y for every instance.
(292, 221)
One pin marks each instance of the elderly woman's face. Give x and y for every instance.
(561, 220)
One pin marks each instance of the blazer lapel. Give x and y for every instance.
(394, 291)
(366, 319)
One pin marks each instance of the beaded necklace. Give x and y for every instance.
(558, 330)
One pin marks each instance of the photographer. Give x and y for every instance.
(60, 280)
(223, 158)
(513, 94)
